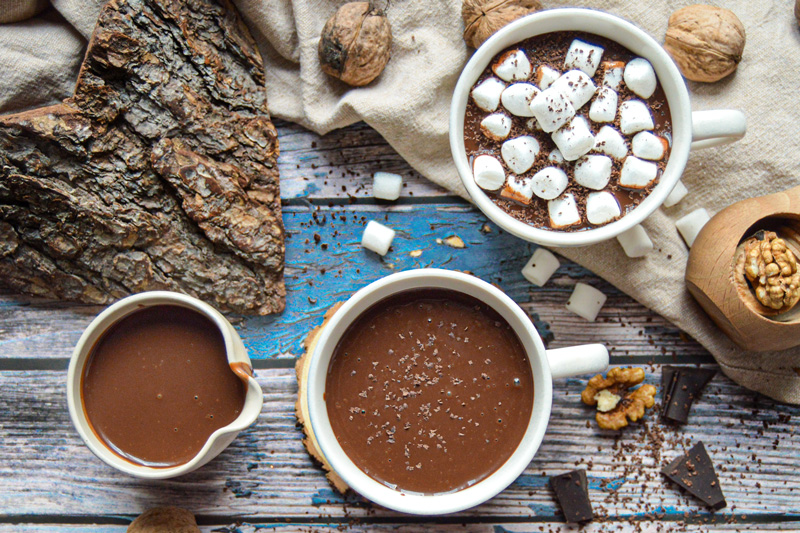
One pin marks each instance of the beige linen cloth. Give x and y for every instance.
(408, 104)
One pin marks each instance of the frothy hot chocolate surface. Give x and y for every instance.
(429, 391)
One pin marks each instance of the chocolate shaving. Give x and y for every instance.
(695, 473)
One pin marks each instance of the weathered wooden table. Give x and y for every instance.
(49, 481)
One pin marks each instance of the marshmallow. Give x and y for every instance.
(386, 186)
(487, 93)
(604, 107)
(549, 182)
(518, 189)
(691, 224)
(574, 139)
(634, 115)
(593, 171)
(576, 86)
(516, 98)
(586, 301)
(520, 153)
(635, 242)
(555, 157)
(612, 74)
(488, 173)
(645, 145)
(640, 77)
(512, 66)
(545, 76)
(563, 211)
(496, 126)
(610, 142)
(601, 208)
(552, 109)
(533, 124)
(377, 237)
(583, 56)
(677, 194)
(637, 174)
(540, 267)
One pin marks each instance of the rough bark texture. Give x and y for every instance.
(159, 173)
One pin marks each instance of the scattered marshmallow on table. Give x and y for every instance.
(637, 174)
(586, 301)
(549, 183)
(593, 171)
(612, 74)
(496, 126)
(518, 189)
(645, 145)
(516, 98)
(552, 109)
(676, 195)
(512, 66)
(487, 93)
(634, 115)
(488, 172)
(640, 77)
(635, 242)
(540, 267)
(574, 139)
(520, 153)
(583, 56)
(609, 141)
(377, 237)
(387, 186)
(545, 76)
(563, 211)
(691, 224)
(604, 106)
(601, 207)
(576, 86)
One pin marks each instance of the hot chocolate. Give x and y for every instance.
(429, 391)
(157, 384)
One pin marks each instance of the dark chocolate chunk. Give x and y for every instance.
(572, 493)
(681, 386)
(695, 473)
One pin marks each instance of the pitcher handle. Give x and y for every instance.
(717, 127)
(577, 360)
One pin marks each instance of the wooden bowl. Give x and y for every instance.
(715, 277)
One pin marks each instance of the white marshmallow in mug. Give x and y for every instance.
(549, 183)
(645, 145)
(540, 267)
(486, 94)
(516, 98)
(555, 157)
(545, 76)
(635, 242)
(512, 66)
(691, 224)
(612, 74)
(520, 153)
(676, 195)
(609, 141)
(377, 237)
(602, 207)
(533, 124)
(583, 56)
(488, 173)
(563, 211)
(577, 86)
(604, 106)
(586, 301)
(637, 174)
(496, 126)
(518, 189)
(552, 109)
(574, 139)
(640, 77)
(634, 115)
(593, 171)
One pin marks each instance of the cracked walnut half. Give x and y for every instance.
(615, 405)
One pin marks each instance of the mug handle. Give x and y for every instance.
(717, 127)
(577, 360)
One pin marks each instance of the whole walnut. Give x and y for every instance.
(164, 520)
(706, 42)
(482, 18)
(355, 43)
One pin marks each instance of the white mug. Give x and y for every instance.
(217, 441)
(546, 365)
(701, 129)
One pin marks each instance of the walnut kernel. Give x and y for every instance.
(771, 268)
(706, 42)
(797, 11)
(615, 405)
(482, 18)
(164, 520)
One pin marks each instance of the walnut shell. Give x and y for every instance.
(706, 42)
(164, 520)
(484, 17)
(355, 43)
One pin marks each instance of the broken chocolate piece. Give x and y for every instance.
(572, 493)
(695, 473)
(681, 387)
